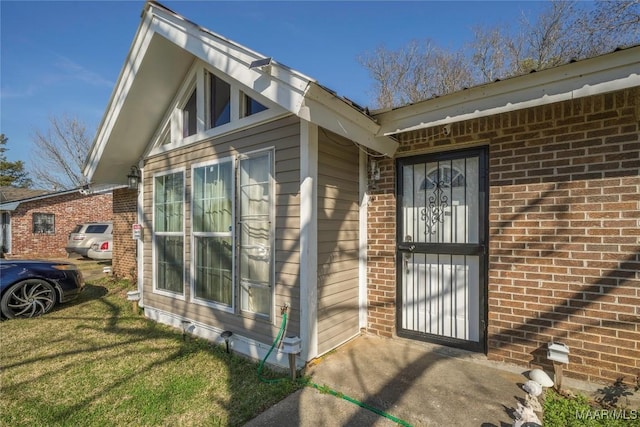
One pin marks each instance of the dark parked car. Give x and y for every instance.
(30, 288)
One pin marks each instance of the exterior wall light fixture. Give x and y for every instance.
(133, 178)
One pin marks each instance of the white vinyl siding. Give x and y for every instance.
(338, 240)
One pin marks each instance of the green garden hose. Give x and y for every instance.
(275, 380)
(322, 389)
(325, 389)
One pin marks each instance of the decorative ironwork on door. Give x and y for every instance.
(441, 248)
(434, 212)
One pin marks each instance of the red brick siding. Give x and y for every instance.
(564, 255)
(69, 210)
(124, 246)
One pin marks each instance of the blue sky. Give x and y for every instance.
(63, 58)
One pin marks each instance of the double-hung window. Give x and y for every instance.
(212, 225)
(169, 232)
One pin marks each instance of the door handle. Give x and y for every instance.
(407, 247)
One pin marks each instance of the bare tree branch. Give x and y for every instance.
(59, 154)
(563, 31)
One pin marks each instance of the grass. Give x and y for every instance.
(580, 411)
(93, 362)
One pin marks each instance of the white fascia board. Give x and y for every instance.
(123, 84)
(606, 73)
(281, 85)
(330, 112)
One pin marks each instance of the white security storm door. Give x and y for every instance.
(442, 212)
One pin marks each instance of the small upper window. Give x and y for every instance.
(189, 116)
(219, 101)
(251, 106)
(43, 223)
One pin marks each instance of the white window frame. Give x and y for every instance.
(157, 290)
(197, 78)
(202, 301)
(272, 242)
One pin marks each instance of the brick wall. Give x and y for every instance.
(124, 246)
(564, 254)
(381, 267)
(69, 210)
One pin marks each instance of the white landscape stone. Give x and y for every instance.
(541, 377)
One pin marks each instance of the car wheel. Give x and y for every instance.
(29, 298)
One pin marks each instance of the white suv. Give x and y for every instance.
(85, 235)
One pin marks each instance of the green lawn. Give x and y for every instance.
(93, 362)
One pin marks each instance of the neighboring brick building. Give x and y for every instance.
(563, 231)
(39, 226)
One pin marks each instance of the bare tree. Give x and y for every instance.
(390, 70)
(451, 72)
(548, 37)
(563, 31)
(59, 154)
(488, 56)
(609, 25)
(415, 72)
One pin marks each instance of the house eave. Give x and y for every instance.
(14, 204)
(605, 73)
(132, 115)
(165, 47)
(325, 109)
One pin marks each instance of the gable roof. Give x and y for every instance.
(600, 74)
(162, 52)
(11, 198)
(8, 194)
(14, 203)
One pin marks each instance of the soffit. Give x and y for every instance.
(136, 116)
